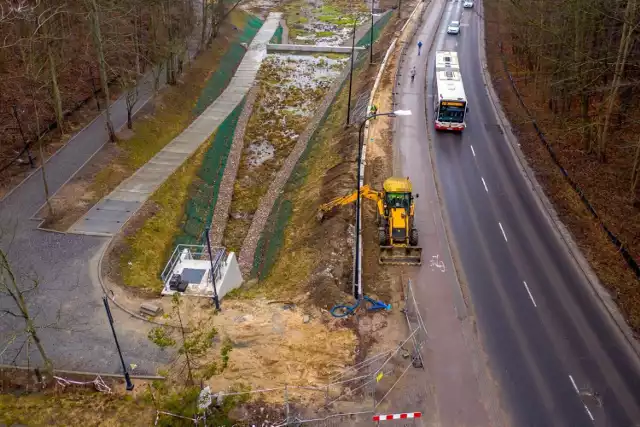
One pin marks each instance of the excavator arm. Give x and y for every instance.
(365, 191)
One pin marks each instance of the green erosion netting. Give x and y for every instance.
(203, 191)
(272, 236)
(227, 65)
(269, 247)
(378, 27)
(277, 36)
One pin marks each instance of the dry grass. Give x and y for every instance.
(148, 248)
(273, 346)
(74, 409)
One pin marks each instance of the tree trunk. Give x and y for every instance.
(623, 51)
(10, 286)
(635, 172)
(97, 41)
(55, 90)
(203, 35)
(43, 169)
(136, 39)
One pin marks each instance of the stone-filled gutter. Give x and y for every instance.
(221, 211)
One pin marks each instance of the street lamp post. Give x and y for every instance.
(353, 52)
(371, 35)
(216, 300)
(127, 378)
(357, 286)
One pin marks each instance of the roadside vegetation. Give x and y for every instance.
(574, 66)
(86, 408)
(276, 330)
(172, 111)
(64, 62)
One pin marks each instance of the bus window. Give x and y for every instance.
(451, 114)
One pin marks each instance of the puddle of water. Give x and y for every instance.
(323, 33)
(305, 71)
(260, 152)
(292, 87)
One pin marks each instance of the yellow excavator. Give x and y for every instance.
(397, 233)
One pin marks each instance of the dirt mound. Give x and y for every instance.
(282, 342)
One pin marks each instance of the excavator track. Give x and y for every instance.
(398, 255)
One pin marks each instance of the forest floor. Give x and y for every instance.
(51, 142)
(606, 185)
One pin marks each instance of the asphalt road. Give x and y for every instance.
(460, 391)
(550, 341)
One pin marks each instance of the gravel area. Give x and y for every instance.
(225, 193)
(247, 252)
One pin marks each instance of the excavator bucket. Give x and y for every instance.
(399, 255)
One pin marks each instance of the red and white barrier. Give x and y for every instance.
(403, 416)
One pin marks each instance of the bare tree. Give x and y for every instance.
(217, 14)
(131, 98)
(626, 40)
(102, 65)
(203, 35)
(16, 292)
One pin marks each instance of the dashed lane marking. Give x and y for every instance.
(503, 233)
(529, 292)
(575, 387)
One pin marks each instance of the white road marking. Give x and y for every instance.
(503, 233)
(588, 412)
(473, 151)
(575, 387)
(531, 296)
(574, 384)
(485, 184)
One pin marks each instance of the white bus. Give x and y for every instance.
(446, 59)
(450, 102)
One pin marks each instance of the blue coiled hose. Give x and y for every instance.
(346, 310)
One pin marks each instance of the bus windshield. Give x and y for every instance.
(451, 114)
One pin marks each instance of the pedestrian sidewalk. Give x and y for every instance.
(109, 215)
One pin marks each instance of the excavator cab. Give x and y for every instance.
(397, 234)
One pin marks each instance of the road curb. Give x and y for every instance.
(111, 295)
(560, 230)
